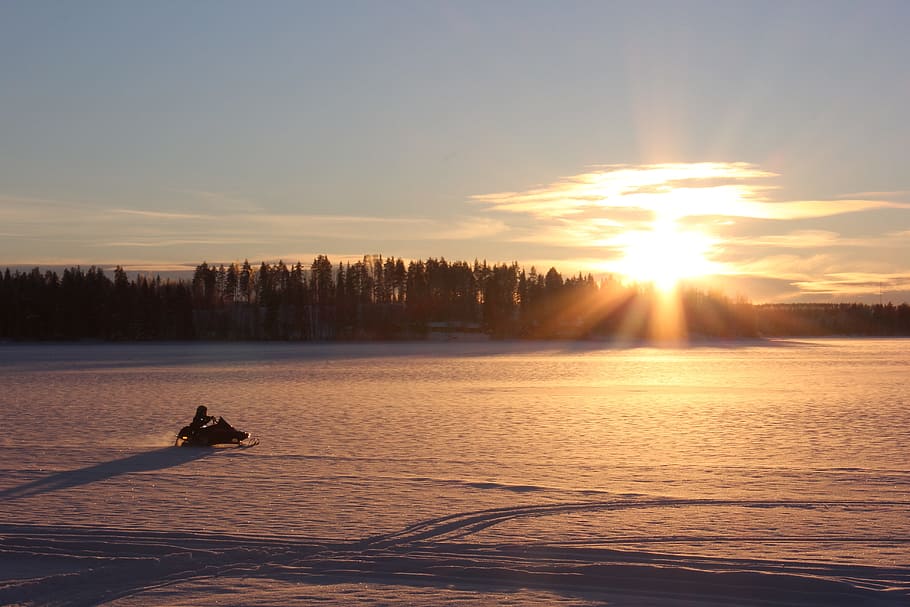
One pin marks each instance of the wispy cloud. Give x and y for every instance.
(813, 239)
(602, 206)
(120, 233)
(583, 221)
(160, 214)
(471, 229)
(787, 266)
(678, 190)
(847, 284)
(165, 243)
(880, 195)
(806, 209)
(618, 186)
(798, 239)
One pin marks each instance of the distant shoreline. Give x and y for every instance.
(386, 300)
(776, 340)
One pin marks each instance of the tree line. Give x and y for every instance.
(386, 298)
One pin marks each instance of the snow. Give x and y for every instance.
(50, 565)
(481, 474)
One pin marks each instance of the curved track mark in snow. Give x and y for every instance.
(463, 524)
(89, 566)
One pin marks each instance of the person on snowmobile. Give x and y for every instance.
(202, 418)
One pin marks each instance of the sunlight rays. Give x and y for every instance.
(660, 224)
(630, 314)
(664, 255)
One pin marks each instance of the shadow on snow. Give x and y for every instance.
(147, 461)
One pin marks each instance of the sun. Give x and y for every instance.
(665, 255)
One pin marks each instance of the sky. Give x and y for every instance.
(756, 147)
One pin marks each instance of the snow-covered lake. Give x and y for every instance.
(457, 474)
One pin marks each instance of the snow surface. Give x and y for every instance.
(482, 474)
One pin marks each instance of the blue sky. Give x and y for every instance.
(161, 134)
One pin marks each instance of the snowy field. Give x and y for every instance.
(458, 474)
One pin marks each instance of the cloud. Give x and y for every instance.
(798, 239)
(806, 209)
(160, 214)
(880, 195)
(676, 190)
(855, 283)
(786, 266)
(583, 221)
(166, 243)
(599, 207)
(618, 186)
(468, 230)
(814, 239)
(60, 232)
(257, 227)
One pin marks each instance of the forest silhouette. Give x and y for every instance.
(384, 299)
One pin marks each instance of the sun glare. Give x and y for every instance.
(664, 255)
(655, 222)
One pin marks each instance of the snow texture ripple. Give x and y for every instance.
(491, 474)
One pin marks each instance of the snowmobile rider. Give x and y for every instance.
(202, 418)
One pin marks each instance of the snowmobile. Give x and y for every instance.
(218, 433)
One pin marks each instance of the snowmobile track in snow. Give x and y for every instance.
(94, 565)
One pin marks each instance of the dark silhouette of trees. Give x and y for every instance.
(382, 298)
(86, 304)
(834, 319)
